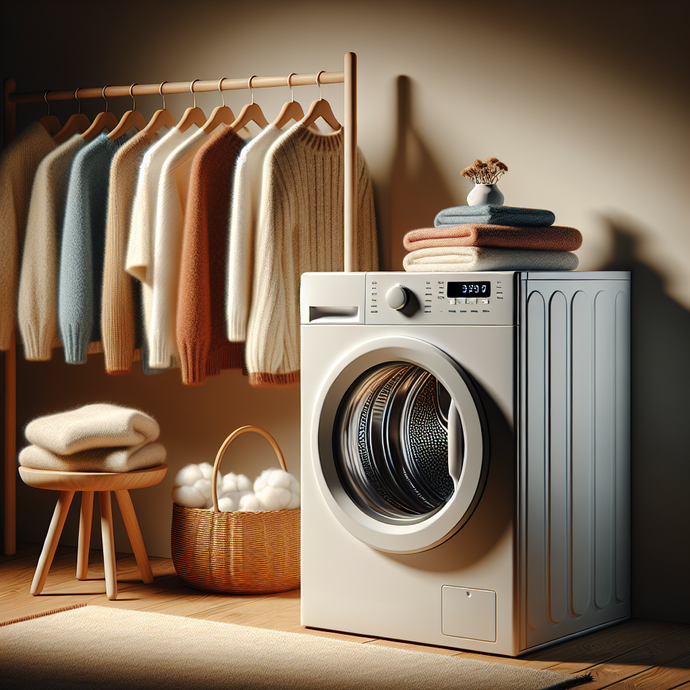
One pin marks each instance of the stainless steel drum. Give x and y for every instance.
(390, 442)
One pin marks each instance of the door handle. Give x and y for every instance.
(456, 443)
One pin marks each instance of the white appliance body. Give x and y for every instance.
(465, 456)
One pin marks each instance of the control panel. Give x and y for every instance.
(440, 298)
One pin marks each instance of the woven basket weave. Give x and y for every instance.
(237, 552)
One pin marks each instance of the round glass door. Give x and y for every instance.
(400, 445)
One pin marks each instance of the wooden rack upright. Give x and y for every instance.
(12, 98)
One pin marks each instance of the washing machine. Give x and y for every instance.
(465, 456)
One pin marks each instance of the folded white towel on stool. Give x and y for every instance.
(101, 425)
(95, 459)
(488, 259)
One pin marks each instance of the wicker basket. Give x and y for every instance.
(237, 552)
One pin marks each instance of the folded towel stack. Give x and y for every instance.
(94, 438)
(492, 238)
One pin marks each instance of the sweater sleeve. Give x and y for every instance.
(367, 245)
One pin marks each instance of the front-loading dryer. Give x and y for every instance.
(465, 455)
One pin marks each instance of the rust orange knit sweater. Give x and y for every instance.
(201, 332)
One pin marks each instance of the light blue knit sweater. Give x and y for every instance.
(83, 247)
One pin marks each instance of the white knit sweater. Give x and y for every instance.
(244, 217)
(300, 229)
(38, 280)
(167, 249)
(139, 259)
(18, 164)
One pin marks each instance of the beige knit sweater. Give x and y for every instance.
(300, 229)
(38, 280)
(18, 165)
(118, 307)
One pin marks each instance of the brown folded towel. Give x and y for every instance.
(551, 237)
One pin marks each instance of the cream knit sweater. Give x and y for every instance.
(244, 218)
(139, 258)
(300, 229)
(119, 313)
(18, 165)
(38, 280)
(167, 248)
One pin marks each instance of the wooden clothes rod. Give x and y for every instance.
(12, 98)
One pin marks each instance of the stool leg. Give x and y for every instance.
(51, 543)
(109, 565)
(85, 518)
(134, 533)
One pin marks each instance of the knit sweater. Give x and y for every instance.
(170, 212)
(18, 164)
(300, 229)
(119, 312)
(244, 217)
(201, 331)
(139, 259)
(83, 247)
(38, 280)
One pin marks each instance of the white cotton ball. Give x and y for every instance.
(250, 503)
(279, 478)
(294, 485)
(203, 486)
(188, 496)
(244, 483)
(262, 480)
(274, 497)
(206, 469)
(229, 482)
(227, 504)
(188, 475)
(294, 502)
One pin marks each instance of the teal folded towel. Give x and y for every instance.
(496, 215)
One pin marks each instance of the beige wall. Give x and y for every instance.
(587, 104)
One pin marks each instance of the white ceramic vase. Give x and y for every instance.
(483, 194)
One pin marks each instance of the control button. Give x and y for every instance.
(397, 297)
(451, 300)
(460, 300)
(471, 300)
(484, 301)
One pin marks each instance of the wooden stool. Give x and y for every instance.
(88, 482)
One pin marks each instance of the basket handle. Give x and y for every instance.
(223, 448)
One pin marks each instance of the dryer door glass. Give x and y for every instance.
(391, 443)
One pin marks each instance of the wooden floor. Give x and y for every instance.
(634, 654)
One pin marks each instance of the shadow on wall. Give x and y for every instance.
(660, 434)
(415, 190)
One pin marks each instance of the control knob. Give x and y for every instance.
(398, 297)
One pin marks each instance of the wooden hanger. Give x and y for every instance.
(220, 114)
(161, 118)
(321, 109)
(292, 110)
(50, 122)
(105, 121)
(250, 113)
(75, 123)
(132, 118)
(193, 115)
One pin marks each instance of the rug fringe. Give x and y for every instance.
(573, 682)
(41, 615)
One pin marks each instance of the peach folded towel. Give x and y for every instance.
(488, 259)
(543, 237)
(100, 425)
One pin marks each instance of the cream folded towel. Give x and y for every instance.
(101, 425)
(96, 459)
(488, 259)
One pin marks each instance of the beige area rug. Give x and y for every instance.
(98, 647)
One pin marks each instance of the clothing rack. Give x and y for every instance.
(13, 98)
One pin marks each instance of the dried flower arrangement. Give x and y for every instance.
(485, 172)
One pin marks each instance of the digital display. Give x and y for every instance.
(469, 289)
